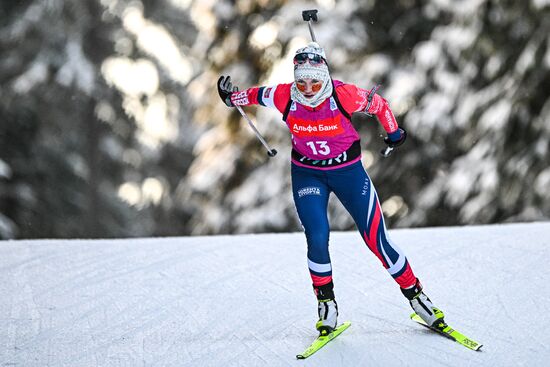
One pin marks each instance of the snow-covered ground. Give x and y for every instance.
(247, 300)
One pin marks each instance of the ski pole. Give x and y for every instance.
(386, 152)
(308, 16)
(270, 152)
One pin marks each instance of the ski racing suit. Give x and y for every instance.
(326, 157)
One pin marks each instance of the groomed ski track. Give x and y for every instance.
(246, 300)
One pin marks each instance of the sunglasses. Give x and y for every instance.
(314, 59)
(316, 85)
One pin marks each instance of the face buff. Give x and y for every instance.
(318, 71)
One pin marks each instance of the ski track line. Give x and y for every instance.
(96, 309)
(134, 326)
(413, 350)
(78, 275)
(267, 347)
(23, 298)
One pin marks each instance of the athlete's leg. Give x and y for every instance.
(311, 199)
(355, 190)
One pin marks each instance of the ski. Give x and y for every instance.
(447, 331)
(322, 340)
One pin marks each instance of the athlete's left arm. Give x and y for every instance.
(355, 99)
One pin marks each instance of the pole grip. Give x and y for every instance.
(309, 16)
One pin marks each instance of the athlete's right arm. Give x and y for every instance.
(276, 96)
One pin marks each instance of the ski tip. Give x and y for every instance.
(478, 348)
(323, 339)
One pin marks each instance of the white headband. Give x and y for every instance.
(306, 71)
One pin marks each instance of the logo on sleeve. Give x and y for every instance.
(240, 98)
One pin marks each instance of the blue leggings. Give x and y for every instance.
(353, 187)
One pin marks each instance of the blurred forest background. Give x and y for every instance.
(111, 125)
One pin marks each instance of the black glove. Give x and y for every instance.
(396, 138)
(225, 89)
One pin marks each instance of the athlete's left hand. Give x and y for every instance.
(396, 138)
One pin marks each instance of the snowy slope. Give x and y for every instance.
(247, 301)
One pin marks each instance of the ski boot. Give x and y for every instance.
(327, 309)
(422, 305)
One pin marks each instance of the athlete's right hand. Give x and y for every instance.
(225, 89)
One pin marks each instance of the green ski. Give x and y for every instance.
(447, 331)
(322, 340)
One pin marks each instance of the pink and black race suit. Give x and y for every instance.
(326, 158)
(322, 137)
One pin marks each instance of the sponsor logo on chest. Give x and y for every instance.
(327, 127)
(303, 128)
